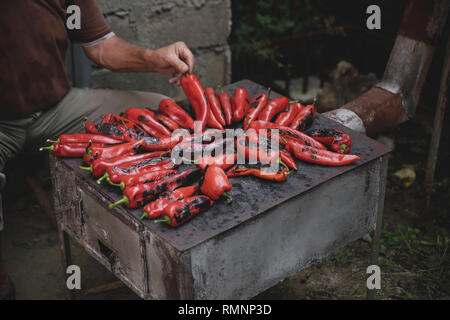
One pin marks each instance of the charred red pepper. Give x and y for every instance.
(240, 102)
(178, 212)
(274, 107)
(335, 139)
(214, 105)
(147, 121)
(216, 184)
(144, 177)
(287, 133)
(169, 123)
(258, 170)
(136, 196)
(195, 93)
(130, 125)
(85, 138)
(73, 150)
(223, 161)
(117, 174)
(99, 152)
(322, 157)
(98, 167)
(156, 208)
(256, 106)
(304, 119)
(286, 118)
(225, 102)
(176, 113)
(110, 130)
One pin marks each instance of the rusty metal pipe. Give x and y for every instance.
(395, 98)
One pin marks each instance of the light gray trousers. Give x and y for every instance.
(25, 135)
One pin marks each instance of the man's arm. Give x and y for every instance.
(117, 54)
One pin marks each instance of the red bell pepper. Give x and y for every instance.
(85, 138)
(156, 208)
(216, 184)
(288, 133)
(147, 119)
(178, 212)
(144, 177)
(73, 150)
(117, 174)
(195, 93)
(304, 119)
(166, 121)
(335, 139)
(240, 102)
(102, 153)
(214, 105)
(257, 170)
(176, 113)
(136, 196)
(225, 102)
(98, 167)
(286, 118)
(322, 157)
(273, 108)
(256, 106)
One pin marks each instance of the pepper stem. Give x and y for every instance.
(103, 177)
(282, 163)
(343, 148)
(49, 148)
(282, 138)
(248, 120)
(227, 197)
(121, 185)
(269, 91)
(187, 74)
(294, 101)
(166, 220)
(124, 200)
(144, 215)
(54, 141)
(220, 88)
(90, 169)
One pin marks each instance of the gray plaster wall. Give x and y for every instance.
(204, 25)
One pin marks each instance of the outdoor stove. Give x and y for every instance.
(269, 232)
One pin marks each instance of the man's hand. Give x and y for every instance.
(117, 54)
(175, 59)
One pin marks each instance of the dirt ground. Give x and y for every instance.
(414, 258)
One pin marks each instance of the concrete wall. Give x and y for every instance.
(204, 25)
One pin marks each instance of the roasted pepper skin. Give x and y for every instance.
(131, 125)
(108, 129)
(216, 184)
(335, 139)
(223, 161)
(214, 105)
(73, 150)
(166, 121)
(178, 212)
(141, 194)
(273, 108)
(99, 167)
(102, 153)
(156, 208)
(286, 118)
(240, 102)
(304, 119)
(225, 102)
(148, 120)
(176, 113)
(195, 93)
(323, 157)
(288, 133)
(257, 105)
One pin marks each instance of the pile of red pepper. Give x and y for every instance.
(132, 151)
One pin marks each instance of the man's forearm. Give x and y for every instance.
(118, 55)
